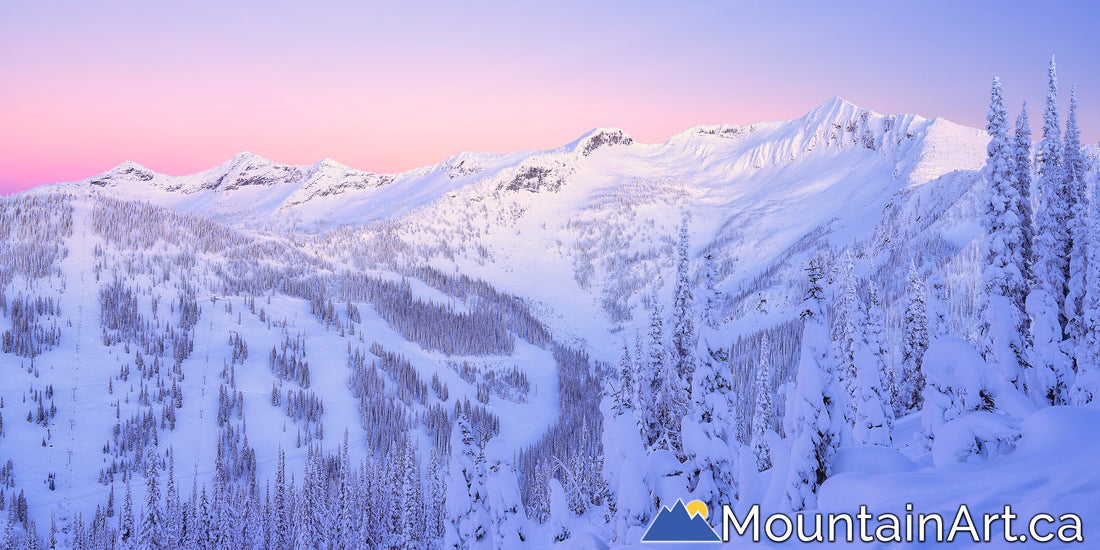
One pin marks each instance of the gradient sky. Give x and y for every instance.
(182, 86)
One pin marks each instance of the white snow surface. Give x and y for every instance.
(582, 233)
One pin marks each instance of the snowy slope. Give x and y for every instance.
(543, 264)
(598, 214)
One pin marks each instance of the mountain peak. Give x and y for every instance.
(126, 170)
(835, 108)
(600, 137)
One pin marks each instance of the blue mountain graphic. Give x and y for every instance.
(676, 525)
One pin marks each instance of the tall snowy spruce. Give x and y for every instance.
(1050, 365)
(1005, 288)
(710, 430)
(812, 415)
(509, 519)
(1021, 176)
(624, 397)
(763, 415)
(1074, 163)
(848, 324)
(1075, 166)
(710, 292)
(666, 391)
(909, 381)
(467, 517)
(874, 420)
(683, 313)
(1086, 383)
(152, 516)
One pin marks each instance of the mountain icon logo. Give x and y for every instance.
(681, 523)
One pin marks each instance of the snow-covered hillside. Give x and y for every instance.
(262, 355)
(598, 214)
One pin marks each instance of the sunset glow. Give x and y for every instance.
(389, 87)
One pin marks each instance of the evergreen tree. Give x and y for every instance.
(669, 410)
(126, 533)
(1021, 176)
(173, 520)
(412, 490)
(308, 532)
(1086, 383)
(711, 294)
(509, 520)
(437, 513)
(848, 337)
(1074, 162)
(1004, 287)
(467, 518)
(51, 539)
(910, 382)
(812, 412)
(1045, 302)
(763, 416)
(665, 411)
(683, 330)
(874, 421)
(281, 505)
(642, 396)
(709, 435)
(1074, 168)
(1077, 285)
(625, 396)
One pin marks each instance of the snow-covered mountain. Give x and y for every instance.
(327, 194)
(599, 213)
(464, 322)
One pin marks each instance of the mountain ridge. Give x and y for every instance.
(253, 191)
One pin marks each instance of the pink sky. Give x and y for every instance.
(391, 88)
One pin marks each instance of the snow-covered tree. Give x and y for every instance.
(625, 396)
(1074, 163)
(281, 505)
(468, 519)
(874, 417)
(847, 335)
(1077, 284)
(173, 510)
(709, 432)
(1086, 383)
(509, 520)
(683, 314)
(1046, 299)
(811, 418)
(1021, 176)
(764, 413)
(413, 526)
(642, 379)
(666, 390)
(710, 292)
(1076, 287)
(1001, 318)
(559, 511)
(910, 379)
(127, 533)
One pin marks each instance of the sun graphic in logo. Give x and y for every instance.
(697, 507)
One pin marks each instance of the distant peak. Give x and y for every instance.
(834, 107)
(127, 166)
(328, 163)
(126, 170)
(600, 137)
(837, 101)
